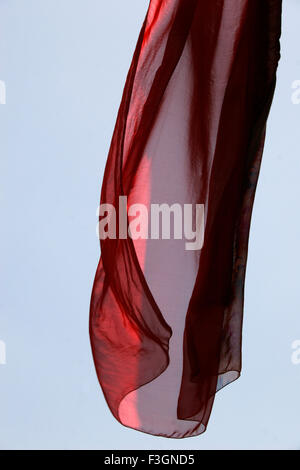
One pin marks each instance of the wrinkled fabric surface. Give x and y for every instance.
(166, 323)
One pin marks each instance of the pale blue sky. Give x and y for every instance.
(64, 63)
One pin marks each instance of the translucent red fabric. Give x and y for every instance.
(165, 322)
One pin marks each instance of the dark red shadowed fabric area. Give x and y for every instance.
(166, 322)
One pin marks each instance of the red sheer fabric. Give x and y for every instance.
(166, 322)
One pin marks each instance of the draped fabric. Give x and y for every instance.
(166, 322)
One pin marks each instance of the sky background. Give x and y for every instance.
(64, 63)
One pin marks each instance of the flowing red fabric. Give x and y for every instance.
(166, 322)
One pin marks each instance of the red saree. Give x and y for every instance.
(165, 322)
